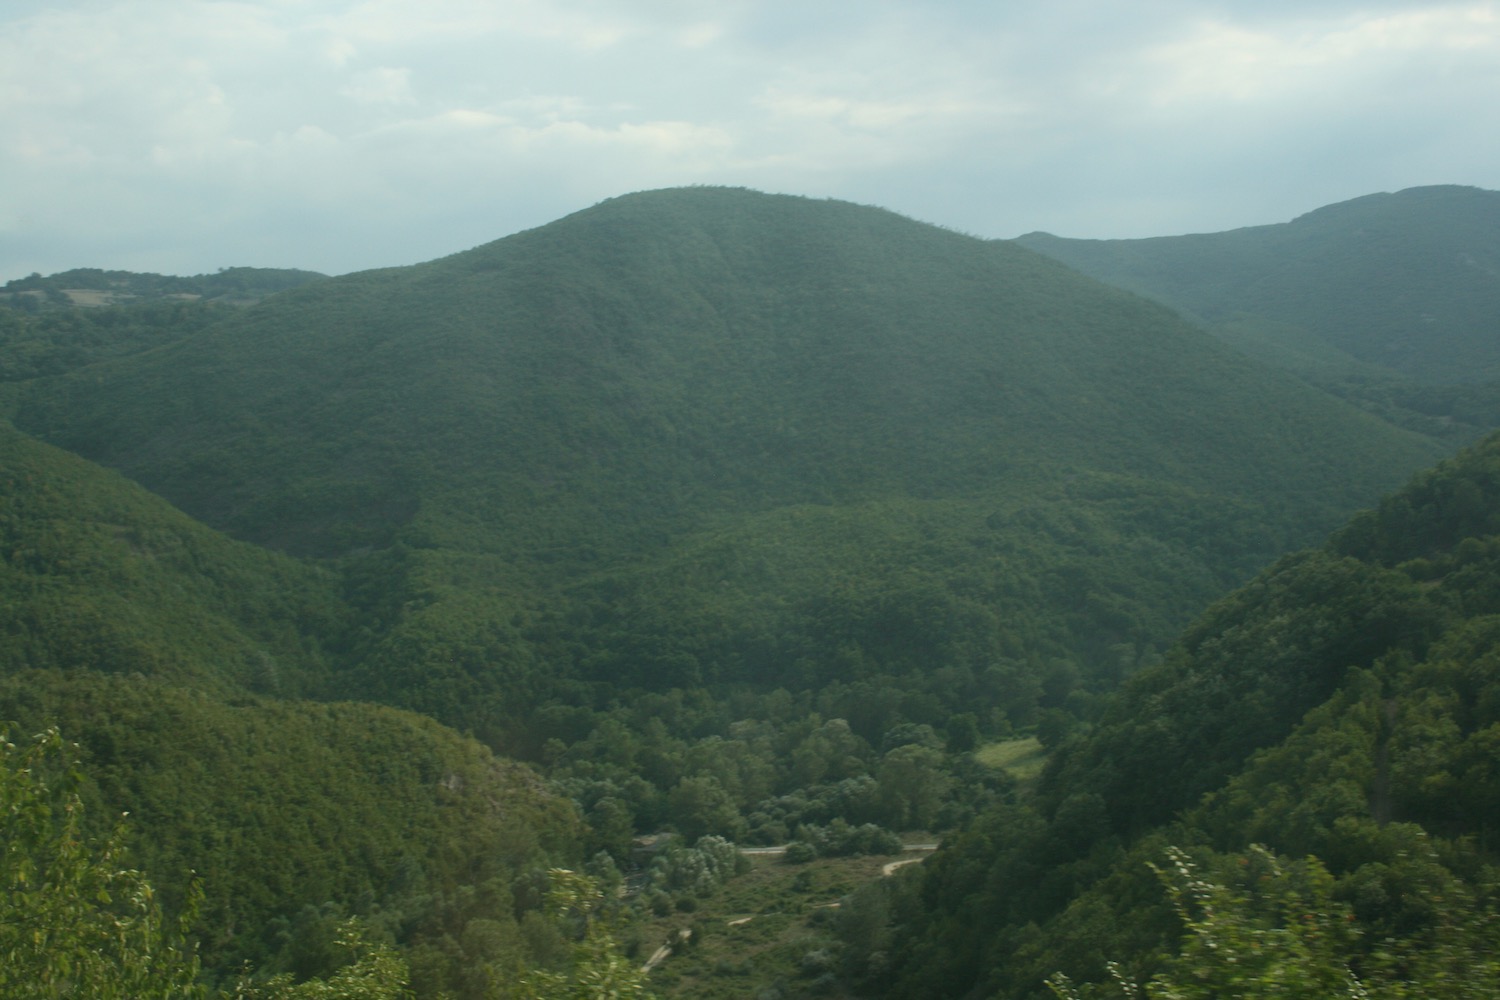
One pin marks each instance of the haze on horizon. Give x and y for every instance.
(337, 135)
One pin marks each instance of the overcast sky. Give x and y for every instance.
(183, 136)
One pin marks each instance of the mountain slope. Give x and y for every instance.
(153, 642)
(97, 574)
(664, 352)
(1345, 704)
(527, 451)
(1405, 283)
(292, 816)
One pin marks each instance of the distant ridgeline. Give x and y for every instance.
(737, 514)
(66, 321)
(90, 286)
(1391, 301)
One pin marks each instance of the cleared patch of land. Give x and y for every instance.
(1022, 759)
(772, 925)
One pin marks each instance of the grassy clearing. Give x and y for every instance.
(1022, 759)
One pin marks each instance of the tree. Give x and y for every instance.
(596, 968)
(377, 973)
(74, 922)
(912, 786)
(1285, 936)
(700, 806)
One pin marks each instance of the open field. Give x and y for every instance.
(1022, 759)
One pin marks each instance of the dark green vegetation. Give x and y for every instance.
(713, 437)
(295, 816)
(1391, 301)
(773, 931)
(738, 515)
(70, 915)
(1344, 705)
(100, 575)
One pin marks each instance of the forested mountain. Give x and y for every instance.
(1390, 300)
(1407, 281)
(63, 322)
(736, 514)
(728, 437)
(1344, 705)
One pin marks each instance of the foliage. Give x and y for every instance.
(697, 870)
(73, 921)
(1344, 705)
(98, 575)
(841, 839)
(296, 816)
(594, 966)
(1285, 934)
(376, 973)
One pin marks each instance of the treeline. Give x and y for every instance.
(765, 778)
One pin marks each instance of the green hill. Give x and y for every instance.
(292, 816)
(144, 636)
(91, 287)
(740, 407)
(1387, 301)
(1343, 705)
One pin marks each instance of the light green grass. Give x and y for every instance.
(1022, 759)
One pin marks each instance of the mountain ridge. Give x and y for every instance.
(1406, 282)
(535, 429)
(589, 346)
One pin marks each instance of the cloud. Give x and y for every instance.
(338, 134)
(382, 85)
(1296, 59)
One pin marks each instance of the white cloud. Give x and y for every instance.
(215, 132)
(1295, 59)
(382, 85)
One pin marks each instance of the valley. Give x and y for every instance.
(763, 521)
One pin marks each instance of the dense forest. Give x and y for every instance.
(735, 519)
(1321, 744)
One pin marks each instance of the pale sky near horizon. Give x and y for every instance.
(182, 136)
